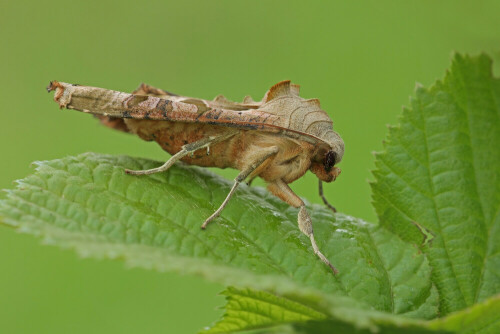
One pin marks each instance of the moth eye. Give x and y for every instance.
(330, 160)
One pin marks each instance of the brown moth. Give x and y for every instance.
(278, 138)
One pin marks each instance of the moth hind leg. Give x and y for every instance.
(186, 149)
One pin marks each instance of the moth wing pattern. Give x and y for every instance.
(117, 122)
(281, 110)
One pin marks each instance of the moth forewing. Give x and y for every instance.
(278, 138)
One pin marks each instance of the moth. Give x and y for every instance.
(277, 139)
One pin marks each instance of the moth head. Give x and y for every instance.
(324, 166)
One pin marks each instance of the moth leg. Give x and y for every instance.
(280, 189)
(186, 149)
(253, 175)
(249, 183)
(258, 161)
(320, 187)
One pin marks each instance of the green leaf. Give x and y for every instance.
(247, 309)
(481, 318)
(88, 203)
(437, 184)
(262, 312)
(252, 311)
(331, 326)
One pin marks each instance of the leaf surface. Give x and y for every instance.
(247, 309)
(481, 318)
(438, 186)
(88, 203)
(251, 311)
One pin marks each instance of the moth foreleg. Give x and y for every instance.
(322, 195)
(186, 149)
(259, 159)
(280, 189)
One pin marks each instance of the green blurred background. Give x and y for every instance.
(361, 58)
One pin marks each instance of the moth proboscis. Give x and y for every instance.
(278, 138)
